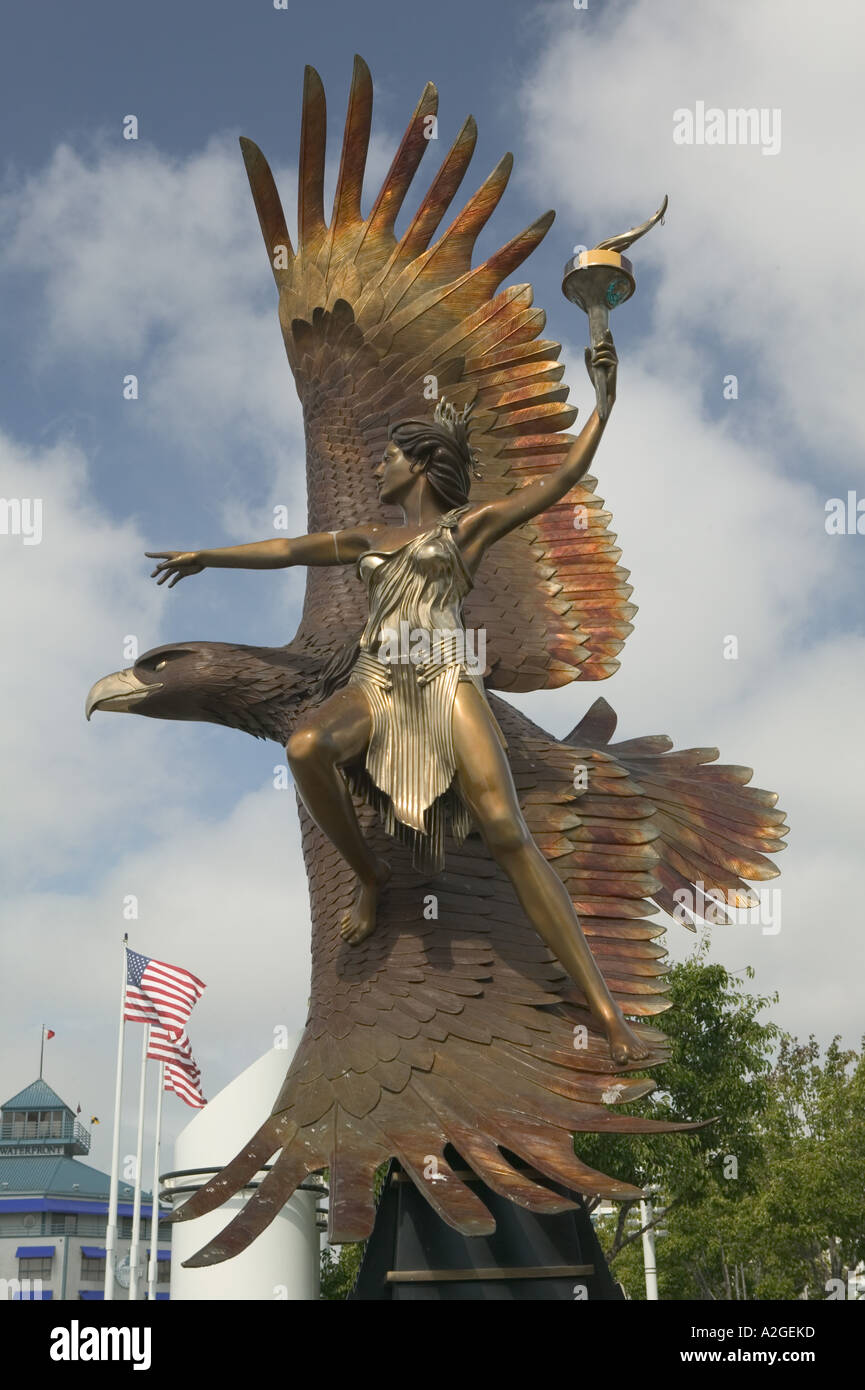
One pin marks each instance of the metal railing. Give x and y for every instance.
(42, 1131)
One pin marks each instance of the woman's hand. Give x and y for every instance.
(604, 359)
(176, 564)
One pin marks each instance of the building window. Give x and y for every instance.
(163, 1272)
(63, 1224)
(91, 1268)
(21, 1224)
(35, 1268)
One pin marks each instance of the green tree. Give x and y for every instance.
(804, 1226)
(720, 1070)
(340, 1266)
(767, 1202)
(339, 1269)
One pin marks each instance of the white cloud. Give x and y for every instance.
(72, 596)
(757, 256)
(119, 808)
(225, 899)
(155, 267)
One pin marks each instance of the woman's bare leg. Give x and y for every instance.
(487, 786)
(334, 734)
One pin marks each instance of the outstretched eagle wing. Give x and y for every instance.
(714, 831)
(451, 1038)
(374, 325)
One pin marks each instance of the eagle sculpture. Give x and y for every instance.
(451, 1029)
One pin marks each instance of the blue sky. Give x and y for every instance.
(145, 257)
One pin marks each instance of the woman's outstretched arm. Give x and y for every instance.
(321, 548)
(482, 527)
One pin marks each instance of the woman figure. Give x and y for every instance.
(417, 738)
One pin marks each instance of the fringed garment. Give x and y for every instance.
(413, 653)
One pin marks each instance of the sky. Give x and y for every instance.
(738, 421)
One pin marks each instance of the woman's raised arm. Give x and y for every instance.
(486, 525)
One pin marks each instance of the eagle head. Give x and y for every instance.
(256, 689)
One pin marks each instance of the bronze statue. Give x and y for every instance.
(425, 728)
(438, 1017)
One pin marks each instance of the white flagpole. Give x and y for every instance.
(139, 1165)
(111, 1227)
(154, 1208)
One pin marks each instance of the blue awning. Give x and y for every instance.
(34, 1252)
(91, 1293)
(68, 1204)
(93, 1252)
(159, 1295)
(161, 1254)
(25, 1297)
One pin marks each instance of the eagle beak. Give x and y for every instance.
(122, 690)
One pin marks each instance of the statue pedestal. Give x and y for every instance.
(413, 1255)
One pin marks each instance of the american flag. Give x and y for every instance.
(182, 1073)
(164, 1048)
(182, 1084)
(159, 994)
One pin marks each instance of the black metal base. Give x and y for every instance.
(412, 1254)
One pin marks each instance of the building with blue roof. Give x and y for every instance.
(54, 1208)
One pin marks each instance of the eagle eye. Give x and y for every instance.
(158, 663)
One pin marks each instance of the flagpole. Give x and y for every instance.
(111, 1227)
(139, 1165)
(154, 1207)
(42, 1052)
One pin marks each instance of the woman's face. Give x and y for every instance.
(396, 474)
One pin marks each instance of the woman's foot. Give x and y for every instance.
(360, 919)
(625, 1046)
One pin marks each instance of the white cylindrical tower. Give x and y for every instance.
(283, 1263)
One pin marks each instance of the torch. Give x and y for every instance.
(597, 281)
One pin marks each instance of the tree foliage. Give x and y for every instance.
(769, 1200)
(339, 1268)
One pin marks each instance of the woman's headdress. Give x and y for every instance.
(456, 422)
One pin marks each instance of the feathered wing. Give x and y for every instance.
(714, 831)
(373, 326)
(452, 1029)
